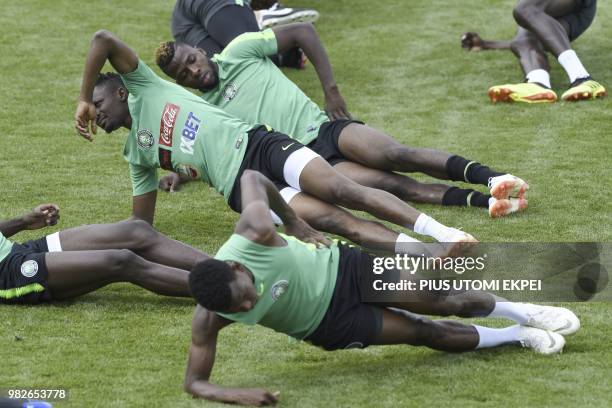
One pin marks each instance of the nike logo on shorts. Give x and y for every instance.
(288, 146)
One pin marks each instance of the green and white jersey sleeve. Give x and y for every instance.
(176, 130)
(294, 283)
(252, 45)
(5, 247)
(253, 89)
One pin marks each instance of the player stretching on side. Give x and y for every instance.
(70, 263)
(173, 129)
(242, 81)
(313, 293)
(544, 25)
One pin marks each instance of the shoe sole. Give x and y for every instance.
(505, 189)
(507, 95)
(501, 207)
(298, 17)
(584, 96)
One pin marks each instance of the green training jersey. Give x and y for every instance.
(5, 247)
(294, 283)
(176, 130)
(253, 89)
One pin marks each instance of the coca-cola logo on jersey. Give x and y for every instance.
(166, 127)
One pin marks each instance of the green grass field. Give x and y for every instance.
(400, 67)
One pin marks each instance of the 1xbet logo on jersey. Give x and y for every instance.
(189, 133)
(166, 127)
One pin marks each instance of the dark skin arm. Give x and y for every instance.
(42, 216)
(205, 328)
(143, 206)
(104, 47)
(472, 42)
(171, 182)
(259, 195)
(304, 36)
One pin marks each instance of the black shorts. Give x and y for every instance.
(266, 151)
(23, 273)
(581, 18)
(326, 143)
(348, 323)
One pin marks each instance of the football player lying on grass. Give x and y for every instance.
(544, 26)
(313, 293)
(242, 81)
(75, 261)
(172, 128)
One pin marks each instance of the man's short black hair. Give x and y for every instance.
(209, 282)
(110, 78)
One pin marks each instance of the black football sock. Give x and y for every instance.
(460, 169)
(465, 197)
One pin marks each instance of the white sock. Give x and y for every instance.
(426, 225)
(510, 310)
(572, 65)
(488, 337)
(405, 244)
(540, 76)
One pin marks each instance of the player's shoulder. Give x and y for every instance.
(247, 41)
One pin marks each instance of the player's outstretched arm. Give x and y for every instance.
(472, 42)
(104, 47)
(204, 331)
(259, 195)
(42, 216)
(304, 36)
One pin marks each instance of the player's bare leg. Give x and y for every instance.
(319, 179)
(374, 149)
(335, 220)
(75, 273)
(404, 328)
(410, 190)
(534, 63)
(135, 235)
(470, 304)
(404, 187)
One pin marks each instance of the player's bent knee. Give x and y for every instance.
(120, 261)
(141, 233)
(523, 12)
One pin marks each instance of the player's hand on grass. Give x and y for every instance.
(304, 232)
(42, 216)
(170, 182)
(255, 397)
(335, 106)
(85, 117)
(471, 41)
